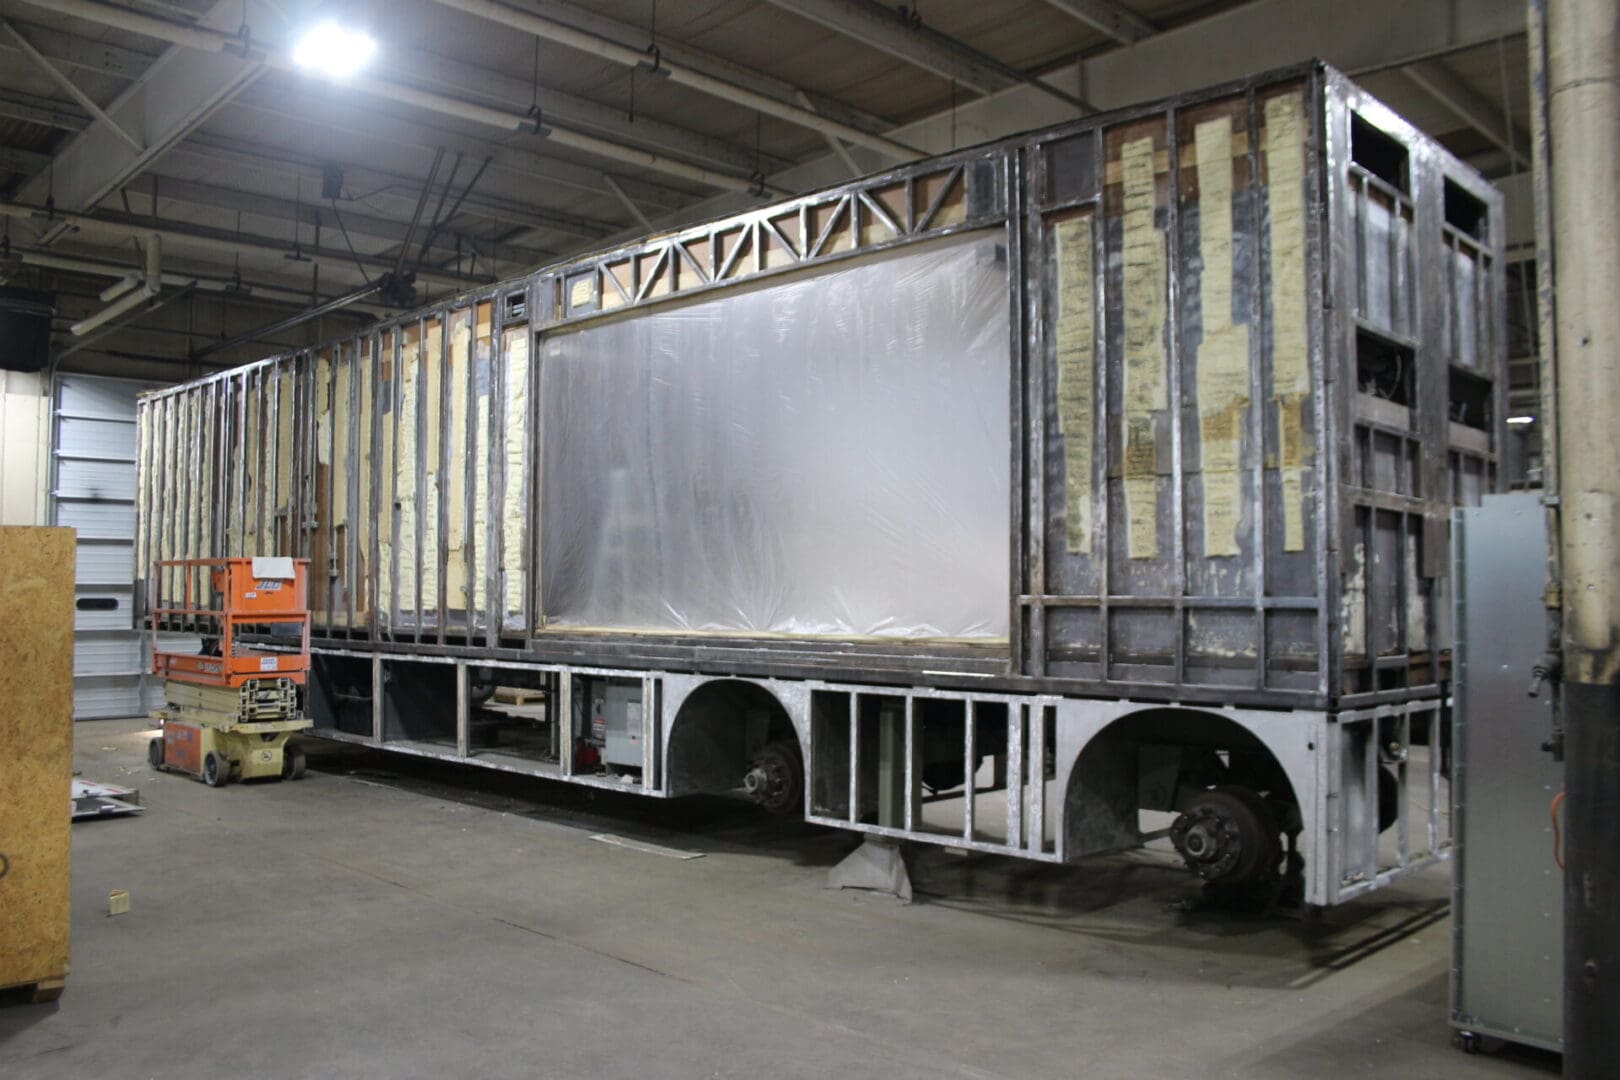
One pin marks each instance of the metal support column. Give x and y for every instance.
(1583, 108)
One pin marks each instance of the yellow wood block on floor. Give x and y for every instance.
(36, 770)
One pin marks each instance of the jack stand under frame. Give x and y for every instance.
(879, 865)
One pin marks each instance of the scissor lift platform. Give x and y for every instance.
(231, 711)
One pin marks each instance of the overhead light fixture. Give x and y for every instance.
(333, 50)
(1521, 419)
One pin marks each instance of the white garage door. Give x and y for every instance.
(93, 491)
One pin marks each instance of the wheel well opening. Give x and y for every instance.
(1154, 760)
(719, 729)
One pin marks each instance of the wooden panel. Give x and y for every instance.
(36, 770)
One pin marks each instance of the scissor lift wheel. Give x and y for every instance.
(216, 769)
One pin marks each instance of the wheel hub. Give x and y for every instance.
(772, 779)
(1228, 834)
(1210, 844)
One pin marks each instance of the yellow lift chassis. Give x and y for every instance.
(216, 732)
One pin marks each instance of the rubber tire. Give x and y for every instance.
(154, 752)
(292, 762)
(216, 770)
(1389, 799)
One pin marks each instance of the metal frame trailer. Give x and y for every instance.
(1253, 355)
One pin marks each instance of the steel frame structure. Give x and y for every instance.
(1381, 489)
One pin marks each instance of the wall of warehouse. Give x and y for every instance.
(25, 427)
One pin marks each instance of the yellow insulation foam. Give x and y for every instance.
(186, 509)
(1223, 355)
(166, 525)
(323, 411)
(456, 526)
(286, 413)
(143, 484)
(387, 393)
(1290, 359)
(517, 429)
(1145, 382)
(480, 455)
(1075, 347)
(431, 394)
(248, 480)
(341, 384)
(210, 498)
(360, 573)
(405, 494)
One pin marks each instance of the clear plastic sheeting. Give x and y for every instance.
(820, 456)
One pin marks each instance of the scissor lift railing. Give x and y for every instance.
(256, 592)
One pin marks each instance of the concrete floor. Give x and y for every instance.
(386, 917)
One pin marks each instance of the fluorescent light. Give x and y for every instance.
(333, 51)
(1521, 420)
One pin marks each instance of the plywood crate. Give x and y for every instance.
(36, 768)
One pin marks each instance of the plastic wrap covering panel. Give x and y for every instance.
(825, 456)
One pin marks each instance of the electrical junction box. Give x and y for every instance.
(616, 722)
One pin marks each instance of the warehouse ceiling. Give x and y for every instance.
(487, 138)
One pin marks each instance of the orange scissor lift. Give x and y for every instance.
(230, 709)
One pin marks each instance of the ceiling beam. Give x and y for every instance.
(882, 28)
(380, 191)
(433, 71)
(116, 263)
(209, 41)
(306, 215)
(107, 57)
(1439, 81)
(46, 112)
(228, 242)
(705, 63)
(27, 162)
(354, 131)
(172, 96)
(563, 34)
(441, 73)
(1369, 35)
(207, 149)
(1110, 17)
(542, 173)
(629, 205)
(71, 88)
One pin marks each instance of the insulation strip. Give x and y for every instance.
(364, 433)
(480, 454)
(430, 393)
(1145, 382)
(262, 544)
(1223, 355)
(341, 383)
(1290, 359)
(455, 569)
(143, 486)
(170, 495)
(1074, 342)
(205, 505)
(323, 411)
(251, 457)
(405, 493)
(286, 412)
(514, 499)
(387, 415)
